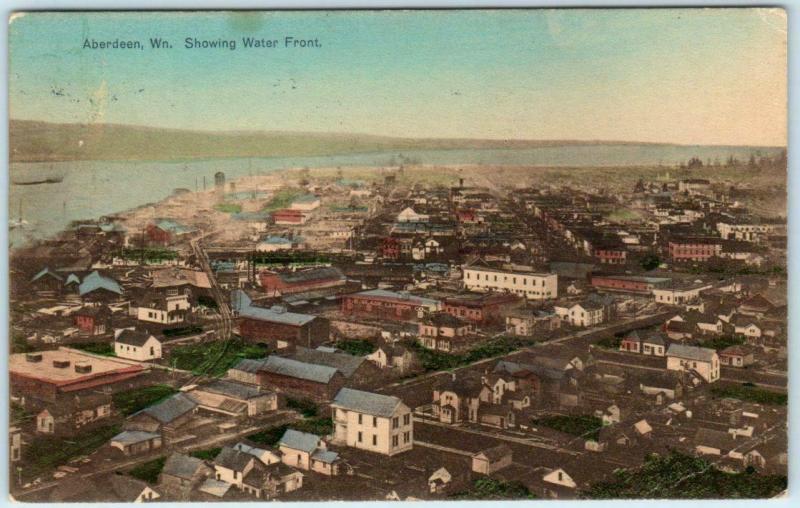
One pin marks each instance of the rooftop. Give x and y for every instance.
(44, 370)
(691, 352)
(298, 369)
(366, 402)
(297, 440)
(95, 281)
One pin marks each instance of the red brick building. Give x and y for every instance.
(627, 283)
(300, 379)
(694, 249)
(277, 283)
(276, 327)
(390, 248)
(611, 255)
(93, 320)
(482, 309)
(389, 305)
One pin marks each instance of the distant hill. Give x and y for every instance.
(34, 141)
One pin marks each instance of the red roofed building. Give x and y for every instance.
(289, 216)
(46, 375)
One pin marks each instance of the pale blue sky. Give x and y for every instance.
(687, 76)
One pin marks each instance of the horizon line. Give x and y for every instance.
(384, 136)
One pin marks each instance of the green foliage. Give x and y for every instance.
(208, 454)
(228, 208)
(751, 394)
(149, 255)
(282, 199)
(19, 344)
(585, 426)
(679, 476)
(722, 342)
(44, 453)
(18, 414)
(356, 347)
(650, 262)
(182, 331)
(149, 471)
(271, 436)
(136, 399)
(609, 342)
(437, 360)
(307, 408)
(98, 348)
(489, 488)
(214, 358)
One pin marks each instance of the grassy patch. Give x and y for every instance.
(489, 488)
(437, 360)
(149, 471)
(722, 342)
(356, 347)
(228, 208)
(98, 348)
(148, 255)
(19, 344)
(282, 199)
(18, 414)
(307, 408)
(609, 342)
(679, 476)
(751, 394)
(623, 215)
(270, 437)
(582, 426)
(214, 358)
(134, 400)
(45, 453)
(208, 454)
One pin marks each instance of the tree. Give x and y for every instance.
(650, 262)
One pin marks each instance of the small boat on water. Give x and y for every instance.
(52, 179)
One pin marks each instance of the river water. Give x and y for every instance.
(91, 189)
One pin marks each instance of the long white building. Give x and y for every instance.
(532, 285)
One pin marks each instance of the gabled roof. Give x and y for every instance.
(656, 338)
(249, 365)
(298, 369)
(171, 408)
(275, 314)
(95, 281)
(366, 402)
(702, 354)
(714, 439)
(232, 389)
(345, 363)
(48, 272)
(297, 440)
(182, 466)
(495, 453)
(757, 302)
(326, 456)
(136, 338)
(72, 279)
(134, 436)
(233, 459)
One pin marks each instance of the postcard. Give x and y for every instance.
(398, 255)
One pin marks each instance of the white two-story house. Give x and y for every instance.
(372, 422)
